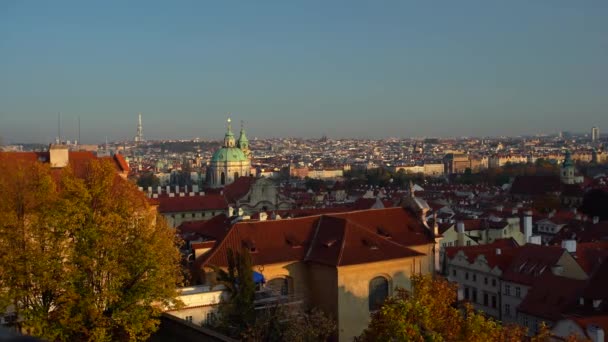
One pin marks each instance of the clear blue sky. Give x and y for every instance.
(302, 68)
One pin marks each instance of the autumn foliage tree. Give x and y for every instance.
(83, 256)
(429, 313)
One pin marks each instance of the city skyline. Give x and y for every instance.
(302, 70)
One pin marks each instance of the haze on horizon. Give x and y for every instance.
(304, 69)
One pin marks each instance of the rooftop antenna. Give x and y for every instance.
(58, 127)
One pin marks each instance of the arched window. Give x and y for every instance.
(223, 179)
(236, 175)
(378, 291)
(282, 286)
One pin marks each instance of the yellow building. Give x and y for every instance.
(345, 264)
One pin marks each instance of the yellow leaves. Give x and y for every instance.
(429, 313)
(85, 256)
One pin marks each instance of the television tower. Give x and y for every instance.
(140, 132)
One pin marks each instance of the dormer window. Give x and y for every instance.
(382, 232)
(293, 242)
(370, 244)
(330, 242)
(250, 245)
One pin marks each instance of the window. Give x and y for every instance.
(485, 280)
(507, 310)
(236, 175)
(223, 179)
(378, 291)
(494, 282)
(469, 243)
(454, 273)
(210, 318)
(193, 215)
(525, 321)
(189, 319)
(485, 299)
(466, 275)
(474, 277)
(494, 302)
(508, 290)
(517, 291)
(466, 293)
(474, 295)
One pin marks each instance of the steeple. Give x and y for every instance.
(567, 172)
(243, 142)
(229, 137)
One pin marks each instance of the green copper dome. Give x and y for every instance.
(229, 154)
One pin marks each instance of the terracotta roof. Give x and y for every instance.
(78, 160)
(590, 255)
(238, 189)
(551, 296)
(535, 185)
(531, 261)
(508, 247)
(168, 204)
(333, 239)
(214, 228)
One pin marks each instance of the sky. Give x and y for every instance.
(308, 68)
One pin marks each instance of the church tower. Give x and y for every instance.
(567, 172)
(243, 142)
(230, 161)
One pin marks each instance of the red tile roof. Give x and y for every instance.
(333, 239)
(238, 189)
(508, 248)
(531, 261)
(535, 185)
(215, 228)
(78, 160)
(168, 204)
(551, 296)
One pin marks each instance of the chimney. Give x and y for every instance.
(557, 270)
(460, 227)
(596, 219)
(528, 227)
(498, 251)
(595, 333)
(263, 216)
(514, 211)
(59, 155)
(230, 211)
(177, 189)
(569, 245)
(535, 240)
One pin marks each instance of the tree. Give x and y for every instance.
(84, 258)
(595, 203)
(239, 318)
(430, 313)
(237, 313)
(148, 179)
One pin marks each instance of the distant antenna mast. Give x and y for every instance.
(59, 127)
(140, 131)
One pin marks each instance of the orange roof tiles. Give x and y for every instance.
(334, 239)
(191, 203)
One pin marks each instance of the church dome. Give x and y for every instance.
(229, 154)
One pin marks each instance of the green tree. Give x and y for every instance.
(148, 179)
(237, 313)
(429, 313)
(84, 258)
